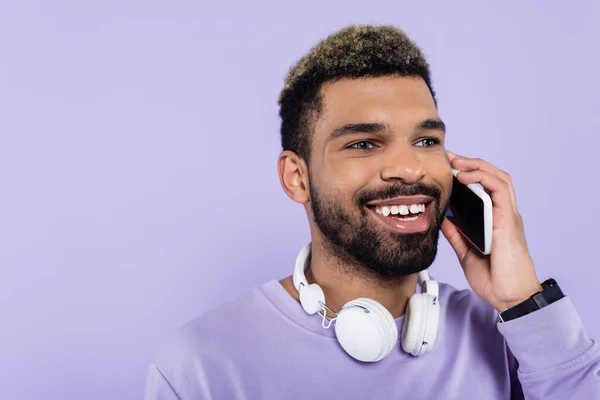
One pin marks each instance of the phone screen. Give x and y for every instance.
(465, 210)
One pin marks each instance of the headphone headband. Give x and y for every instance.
(302, 262)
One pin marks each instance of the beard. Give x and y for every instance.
(361, 242)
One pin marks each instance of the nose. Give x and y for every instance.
(402, 164)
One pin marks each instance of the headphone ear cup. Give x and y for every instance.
(388, 322)
(310, 296)
(432, 330)
(414, 324)
(366, 330)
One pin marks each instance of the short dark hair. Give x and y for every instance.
(353, 52)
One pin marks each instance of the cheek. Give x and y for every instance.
(446, 184)
(439, 169)
(346, 178)
(330, 187)
(339, 190)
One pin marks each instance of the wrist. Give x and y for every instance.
(549, 293)
(522, 296)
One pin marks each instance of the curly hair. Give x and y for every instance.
(356, 51)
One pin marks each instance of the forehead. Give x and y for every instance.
(400, 102)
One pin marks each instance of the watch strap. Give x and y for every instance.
(550, 293)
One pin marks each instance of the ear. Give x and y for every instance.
(293, 176)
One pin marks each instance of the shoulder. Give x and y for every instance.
(473, 320)
(204, 349)
(466, 307)
(216, 326)
(470, 331)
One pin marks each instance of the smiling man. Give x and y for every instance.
(359, 317)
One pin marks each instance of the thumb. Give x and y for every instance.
(458, 242)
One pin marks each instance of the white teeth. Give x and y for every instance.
(403, 209)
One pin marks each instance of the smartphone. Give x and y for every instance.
(470, 209)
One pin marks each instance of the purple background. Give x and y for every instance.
(138, 147)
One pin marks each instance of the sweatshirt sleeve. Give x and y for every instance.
(157, 386)
(556, 359)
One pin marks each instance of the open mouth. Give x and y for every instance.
(401, 212)
(404, 214)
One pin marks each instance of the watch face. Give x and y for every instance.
(548, 283)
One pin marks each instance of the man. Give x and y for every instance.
(363, 151)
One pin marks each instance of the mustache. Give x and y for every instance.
(397, 190)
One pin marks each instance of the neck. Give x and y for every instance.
(342, 283)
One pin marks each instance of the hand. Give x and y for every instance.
(507, 276)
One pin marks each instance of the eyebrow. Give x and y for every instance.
(431, 125)
(351, 129)
(381, 128)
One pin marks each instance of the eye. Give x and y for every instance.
(362, 145)
(428, 142)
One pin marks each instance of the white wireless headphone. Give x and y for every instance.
(364, 328)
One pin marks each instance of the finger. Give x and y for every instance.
(457, 241)
(497, 188)
(451, 155)
(463, 163)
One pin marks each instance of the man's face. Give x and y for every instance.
(379, 175)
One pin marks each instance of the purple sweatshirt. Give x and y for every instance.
(263, 345)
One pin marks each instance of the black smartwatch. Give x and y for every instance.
(549, 294)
